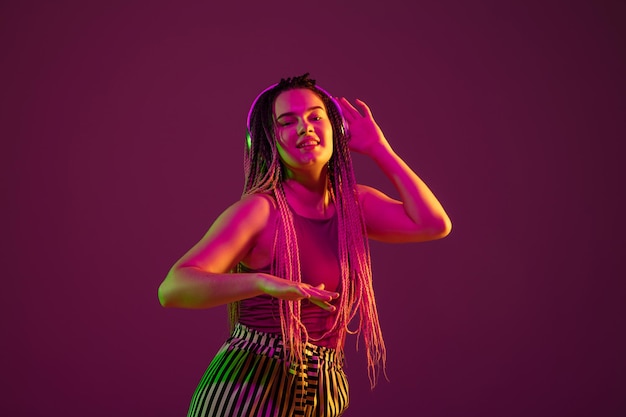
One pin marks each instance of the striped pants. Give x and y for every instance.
(248, 378)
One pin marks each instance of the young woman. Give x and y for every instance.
(292, 259)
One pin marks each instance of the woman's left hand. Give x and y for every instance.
(365, 135)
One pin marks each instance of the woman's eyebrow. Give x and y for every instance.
(290, 113)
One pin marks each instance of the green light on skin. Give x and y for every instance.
(248, 140)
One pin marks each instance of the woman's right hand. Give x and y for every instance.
(291, 290)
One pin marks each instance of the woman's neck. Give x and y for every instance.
(309, 198)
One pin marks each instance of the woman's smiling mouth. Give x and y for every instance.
(308, 143)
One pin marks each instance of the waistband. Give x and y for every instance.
(269, 344)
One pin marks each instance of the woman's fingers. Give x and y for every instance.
(349, 111)
(365, 108)
(323, 304)
(322, 298)
(321, 294)
(289, 290)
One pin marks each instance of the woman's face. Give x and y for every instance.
(304, 131)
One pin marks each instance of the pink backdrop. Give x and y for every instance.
(122, 127)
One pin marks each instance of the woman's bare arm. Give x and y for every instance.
(201, 278)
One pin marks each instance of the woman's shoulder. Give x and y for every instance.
(365, 191)
(259, 209)
(258, 201)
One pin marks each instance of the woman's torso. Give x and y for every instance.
(319, 261)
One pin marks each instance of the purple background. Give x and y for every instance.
(122, 138)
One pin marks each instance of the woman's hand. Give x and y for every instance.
(365, 135)
(290, 290)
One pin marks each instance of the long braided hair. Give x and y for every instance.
(264, 173)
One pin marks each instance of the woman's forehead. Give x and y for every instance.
(297, 100)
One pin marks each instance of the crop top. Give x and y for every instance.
(319, 263)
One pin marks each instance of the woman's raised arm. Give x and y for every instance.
(419, 216)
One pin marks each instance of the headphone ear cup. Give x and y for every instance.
(248, 140)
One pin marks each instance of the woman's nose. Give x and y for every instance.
(303, 127)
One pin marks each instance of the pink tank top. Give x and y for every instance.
(319, 262)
